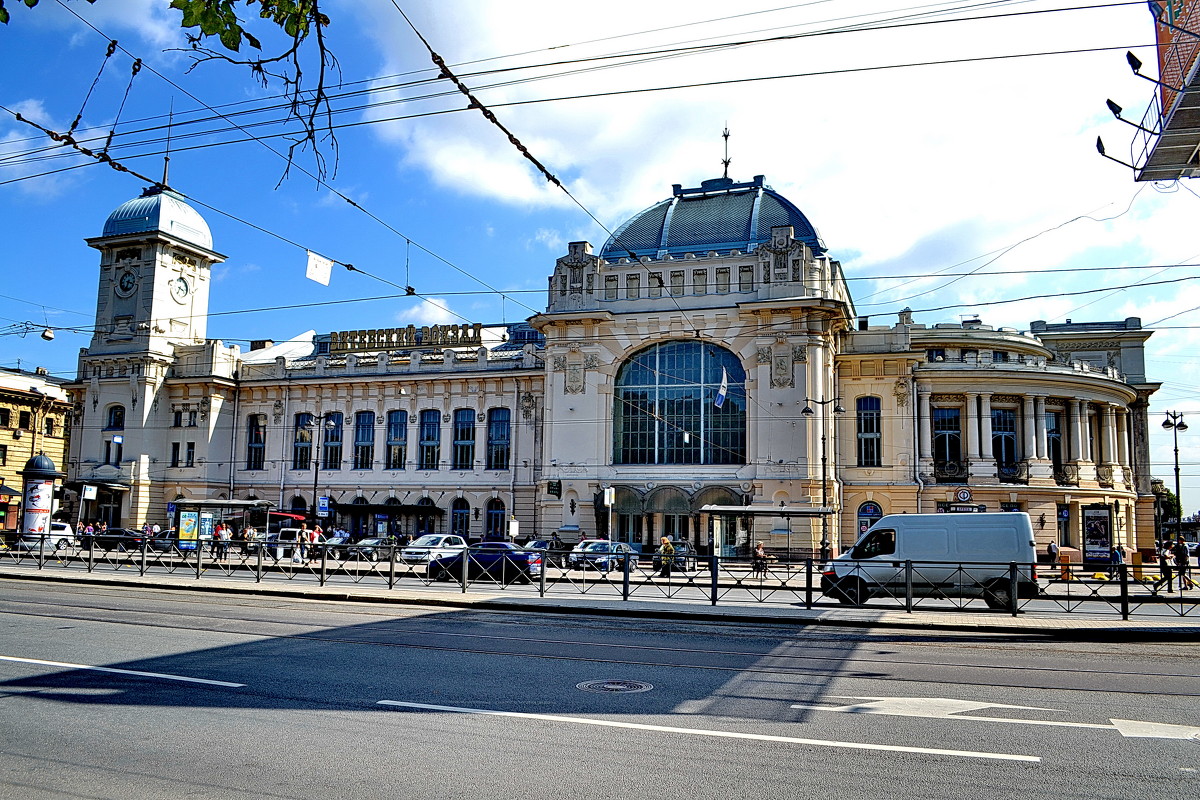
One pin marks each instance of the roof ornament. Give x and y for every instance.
(725, 161)
(167, 149)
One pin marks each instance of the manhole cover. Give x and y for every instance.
(610, 687)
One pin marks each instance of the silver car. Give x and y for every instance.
(431, 546)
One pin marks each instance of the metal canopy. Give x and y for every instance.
(224, 503)
(770, 511)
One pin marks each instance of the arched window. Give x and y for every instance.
(868, 417)
(116, 419)
(680, 402)
(494, 522)
(425, 516)
(460, 518)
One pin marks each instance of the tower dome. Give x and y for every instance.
(159, 209)
(719, 215)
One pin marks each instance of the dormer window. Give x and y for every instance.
(938, 354)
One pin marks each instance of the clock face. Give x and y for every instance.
(180, 288)
(126, 283)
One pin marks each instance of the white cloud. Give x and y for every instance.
(430, 311)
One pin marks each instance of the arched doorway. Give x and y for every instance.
(425, 514)
(868, 514)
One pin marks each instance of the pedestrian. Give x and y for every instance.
(759, 560)
(1165, 571)
(1183, 565)
(1052, 551)
(666, 556)
(1116, 558)
(226, 537)
(300, 551)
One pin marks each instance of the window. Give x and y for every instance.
(745, 278)
(331, 453)
(1054, 437)
(633, 286)
(676, 282)
(699, 281)
(499, 434)
(947, 438)
(424, 522)
(190, 459)
(3, 455)
(364, 439)
(397, 439)
(656, 284)
(177, 419)
(610, 287)
(1004, 436)
(113, 452)
(879, 542)
(494, 522)
(25, 421)
(5, 417)
(302, 439)
(460, 518)
(49, 427)
(723, 280)
(256, 441)
(115, 420)
(935, 354)
(999, 357)
(868, 418)
(463, 455)
(430, 439)
(174, 454)
(192, 418)
(665, 407)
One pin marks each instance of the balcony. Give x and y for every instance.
(1012, 471)
(950, 471)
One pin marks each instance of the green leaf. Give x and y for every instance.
(3, 14)
(231, 37)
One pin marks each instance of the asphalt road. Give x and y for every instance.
(132, 693)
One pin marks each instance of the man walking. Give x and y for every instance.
(666, 555)
(1183, 565)
(1165, 571)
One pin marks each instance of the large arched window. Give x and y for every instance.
(680, 402)
(460, 518)
(493, 523)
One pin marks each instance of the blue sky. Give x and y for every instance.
(984, 165)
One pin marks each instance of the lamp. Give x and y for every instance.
(1116, 112)
(1174, 423)
(1135, 64)
(1100, 150)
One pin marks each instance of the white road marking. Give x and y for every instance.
(947, 708)
(138, 673)
(719, 734)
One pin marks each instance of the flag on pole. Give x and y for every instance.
(319, 268)
(719, 400)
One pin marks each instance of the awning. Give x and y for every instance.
(8, 490)
(770, 511)
(406, 509)
(77, 486)
(224, 503)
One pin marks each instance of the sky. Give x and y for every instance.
(921, 143)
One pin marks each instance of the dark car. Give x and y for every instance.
(165, 542)
(684, 560)
(499, 561)
(554, 550)
(602, 555)
(374, 548)
(338, 547)
(114, 539)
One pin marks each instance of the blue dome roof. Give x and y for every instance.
(159, 209)
(720, 215)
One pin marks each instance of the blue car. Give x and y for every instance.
(602, 555)
(499, 561)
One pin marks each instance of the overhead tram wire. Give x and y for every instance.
(309, 174)
(650, 54)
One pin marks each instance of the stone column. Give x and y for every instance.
(985, 426)
(1029, 450)
(1041, 449)
(1077, 431)
(924, 424)
(972, 426)
(1108, 435)
(1123, 436)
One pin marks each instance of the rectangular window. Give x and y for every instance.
(499, 435)
(3, 455)
(302, 440)
(430, 439)
(189, 457)
(177, 419)
(1054, 438)
(676, 282)
(947, 436)
(191, 419)
(633, 286)
(610, 287)
(463, 456)
(331, 453)
(174, 454)
(25, 421)
(113, 452)
(935, 354)
(656, 284)
(256, 441)
(1004, 436)
(5, 417)
(722, 280)
(397, 439)
(699, 281)
(999, 357)
(868, 419)
(364, 439)
(746, 279)
(49, 427)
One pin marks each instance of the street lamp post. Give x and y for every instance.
(808, 412)
(316, 456)
(1174, 423)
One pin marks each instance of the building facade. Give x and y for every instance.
(34, 411)
(706, 357)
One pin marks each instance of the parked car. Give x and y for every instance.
(499, 561)
(601, 554)
(372, 549)
(59, 537)
(338, 547)
(118, 539)
(555, 550)
(431, 546)
(165, 541)
(684, 560)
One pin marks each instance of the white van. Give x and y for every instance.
(953, 555)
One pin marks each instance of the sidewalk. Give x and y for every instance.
(1051, 624)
